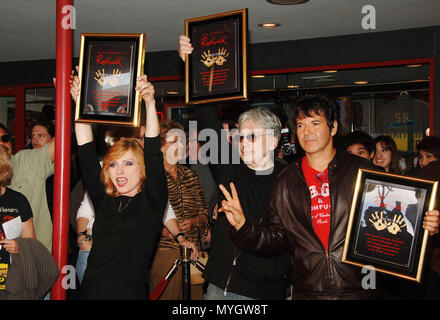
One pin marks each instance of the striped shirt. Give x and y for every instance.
(187, 200)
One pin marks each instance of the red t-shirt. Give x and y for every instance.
(320, 194)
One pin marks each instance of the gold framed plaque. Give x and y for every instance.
(108, 67)
(385, 229)
(217, 68)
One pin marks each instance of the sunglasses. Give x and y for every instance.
(250, 137)
(5, 138)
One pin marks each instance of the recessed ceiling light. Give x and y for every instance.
(330, 71)
(172, 92)
(292, 86)
(258, 76)
(413, 65)
(269, 25)
(360, 82)
(287, 2)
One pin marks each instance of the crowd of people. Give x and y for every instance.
(257, 219)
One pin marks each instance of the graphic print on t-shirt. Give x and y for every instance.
(320, 196)
(5, 218)
(320, 203)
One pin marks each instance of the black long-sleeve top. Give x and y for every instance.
(228, 267)
(124, 242)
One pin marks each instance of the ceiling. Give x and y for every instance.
(28, 26)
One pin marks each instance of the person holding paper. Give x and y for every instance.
(14, 209)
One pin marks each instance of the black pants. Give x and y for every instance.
(103, 288)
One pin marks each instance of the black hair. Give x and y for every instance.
(430, 144)
(359, 137)
(50, 127)
(318, 104)
(389, 144)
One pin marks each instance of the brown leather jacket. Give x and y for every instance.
(316, 273)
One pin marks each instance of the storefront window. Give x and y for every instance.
(390, 100)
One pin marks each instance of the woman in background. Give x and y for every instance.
(14, 205)
(386, 154)
(428, 150)
(187, 200)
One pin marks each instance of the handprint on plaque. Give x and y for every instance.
(397, 224)
(378, 222)
(218, 58)
(100, 77)
(221, 56)
(112, 79)
(208, 59)
(381, 223)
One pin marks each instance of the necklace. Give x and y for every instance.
(123, 207)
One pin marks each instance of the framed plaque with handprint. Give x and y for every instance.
(108, 67)
(217, 68)
(385, 229)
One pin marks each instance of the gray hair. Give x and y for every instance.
(265, 118)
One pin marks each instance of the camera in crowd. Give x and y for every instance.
(287, 148)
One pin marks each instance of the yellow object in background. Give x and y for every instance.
(3, 275)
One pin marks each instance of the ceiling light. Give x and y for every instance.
(292, 86)
(258, 76)
(269, 25)
(287, 2)
(360, 82)
(172, 92)
(413, 65)
(330, 71)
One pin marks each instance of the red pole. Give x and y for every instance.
(62, 143)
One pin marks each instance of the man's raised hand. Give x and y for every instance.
(232, 207)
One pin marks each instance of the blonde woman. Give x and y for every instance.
(12, 205)
(129, 195)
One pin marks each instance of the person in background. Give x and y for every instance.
(386, 154)
(84, 220)
(429, 168)
(31, 169)
(395, 288)
(360, 144)
(12, 205)
(43, 132)
(188, 202)
(428, 150)
(199, 164)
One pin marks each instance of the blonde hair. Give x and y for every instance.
(165, 127)
(6, 172)
(116, 152)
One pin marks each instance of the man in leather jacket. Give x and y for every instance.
(309, 210)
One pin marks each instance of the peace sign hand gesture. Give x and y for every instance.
(232, 207)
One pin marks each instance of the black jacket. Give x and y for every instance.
(228, 267)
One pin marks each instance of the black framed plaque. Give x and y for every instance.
(108, 67)
(385, 229)
(217, 68)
